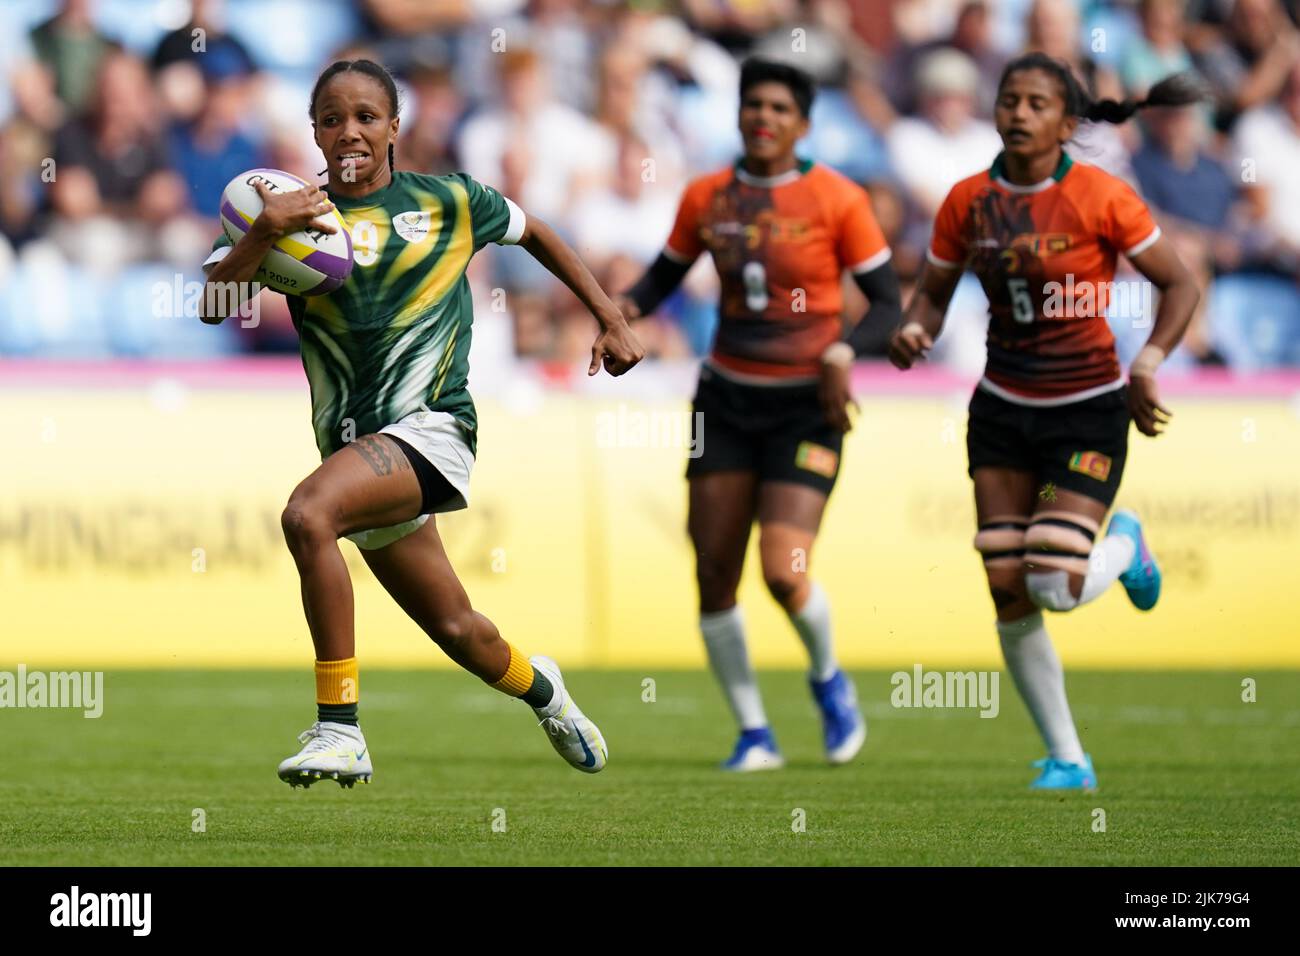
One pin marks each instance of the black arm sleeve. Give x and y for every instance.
(658, 283)
(871, 335)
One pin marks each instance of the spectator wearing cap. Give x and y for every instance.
(945, 143)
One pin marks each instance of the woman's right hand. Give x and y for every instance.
(285, 213)
(909, 343)
(1144, 405)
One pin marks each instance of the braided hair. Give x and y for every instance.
(371, 69)
(1180, 89)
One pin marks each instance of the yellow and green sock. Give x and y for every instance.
(337, 691)
(525, 681)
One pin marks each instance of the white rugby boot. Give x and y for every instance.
(574, 737)
(332, 752)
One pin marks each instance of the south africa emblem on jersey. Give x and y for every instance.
(412, 226)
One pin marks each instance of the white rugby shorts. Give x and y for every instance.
(439, 438)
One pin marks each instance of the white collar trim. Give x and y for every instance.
(767, 182)
(1035, 188)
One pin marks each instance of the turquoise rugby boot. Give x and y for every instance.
(1141, 579)
(1059, 775)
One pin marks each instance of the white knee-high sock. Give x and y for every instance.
(1109, 559)
(813, 623)
(724, 638)
(1040, 679)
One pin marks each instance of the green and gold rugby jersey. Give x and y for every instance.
(394, 338)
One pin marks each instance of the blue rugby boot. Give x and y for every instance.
(755, 750)
(844, 729)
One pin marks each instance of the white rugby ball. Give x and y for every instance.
(309, 262)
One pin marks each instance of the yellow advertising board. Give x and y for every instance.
(140, 527)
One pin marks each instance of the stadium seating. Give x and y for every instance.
(1256, 321)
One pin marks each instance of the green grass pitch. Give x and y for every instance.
(1190, 775)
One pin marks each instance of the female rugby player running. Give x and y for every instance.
(1048, 430)
(773, 396)
(386, 356)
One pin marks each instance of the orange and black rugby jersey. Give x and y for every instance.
(1045, 255)
(780, 245)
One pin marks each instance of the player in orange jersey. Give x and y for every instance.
(773, 396)
(1048, 430)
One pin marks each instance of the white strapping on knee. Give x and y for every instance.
(1047, 576)
(1059, 541)
(1050, 590)
(1090, 525)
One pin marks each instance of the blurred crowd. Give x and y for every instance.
(122, 120)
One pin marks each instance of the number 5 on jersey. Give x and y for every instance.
(1022, 306)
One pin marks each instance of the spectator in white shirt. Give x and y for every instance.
(932, 152)
(542, 154)
(1267, 144)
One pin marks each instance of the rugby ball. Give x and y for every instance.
(309, 262)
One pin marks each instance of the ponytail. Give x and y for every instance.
(1181, 89)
